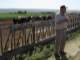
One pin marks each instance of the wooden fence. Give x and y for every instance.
(15, 36)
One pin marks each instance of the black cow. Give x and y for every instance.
(49, 17)
(21, 20)
(15, 20)
(44, 17)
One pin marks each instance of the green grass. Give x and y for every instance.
(40, 53)
(10, 15)
(74, 35)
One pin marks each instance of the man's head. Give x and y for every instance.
(63, 9)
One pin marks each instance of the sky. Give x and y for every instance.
(40, 4)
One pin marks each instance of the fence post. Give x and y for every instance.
(33, 33)
(1, 41)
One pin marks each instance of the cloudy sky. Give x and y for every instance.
(40, 4)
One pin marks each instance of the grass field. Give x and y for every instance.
(10, 15)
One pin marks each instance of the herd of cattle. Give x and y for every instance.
(23, 19)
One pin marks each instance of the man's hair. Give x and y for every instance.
(63, 6)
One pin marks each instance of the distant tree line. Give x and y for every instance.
(19, 12)
(49, 13)
(22, 12)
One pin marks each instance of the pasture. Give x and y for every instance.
(11, 15)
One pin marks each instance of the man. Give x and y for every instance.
(60, 27)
